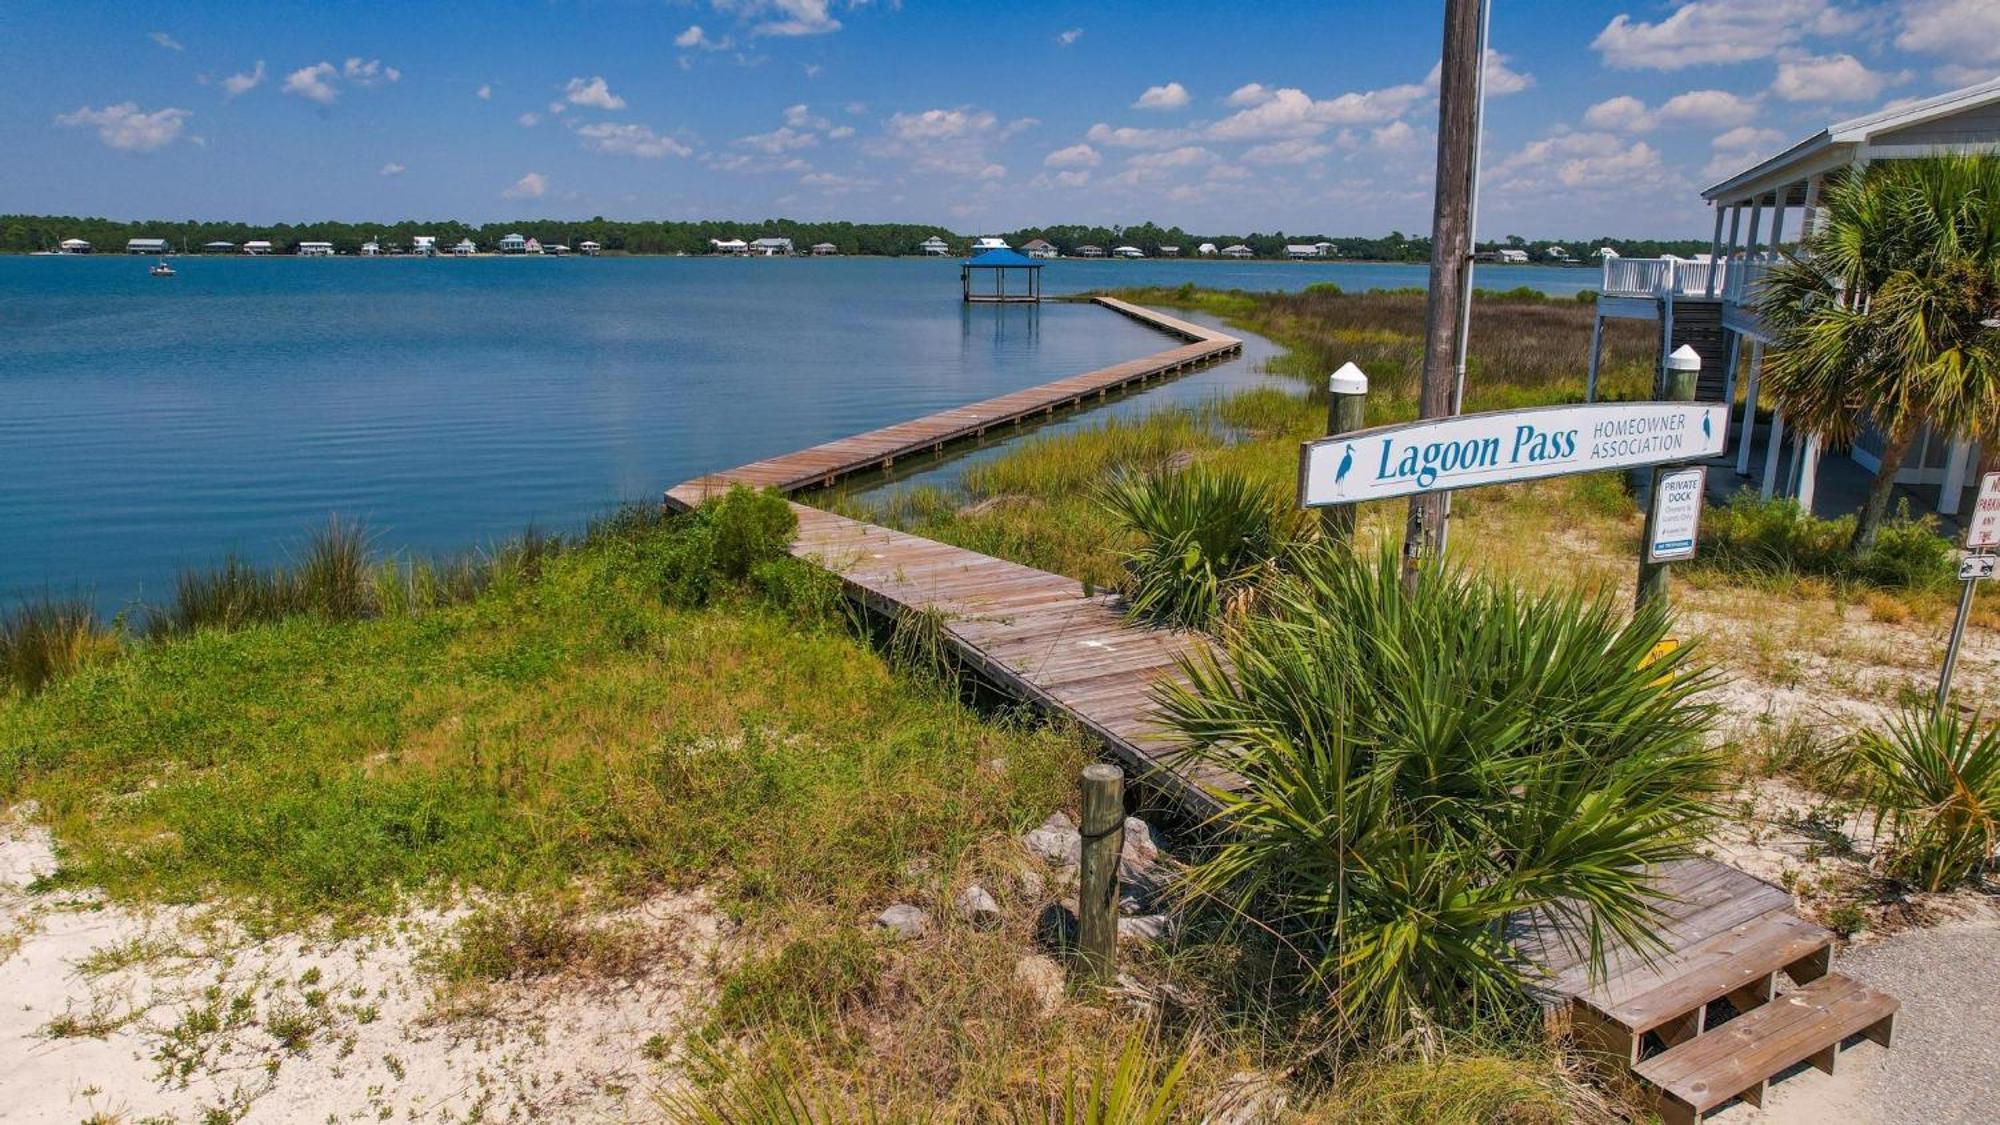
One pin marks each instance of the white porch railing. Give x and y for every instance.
(1659, 277)
(1742, 282)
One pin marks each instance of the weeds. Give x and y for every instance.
(45, 639)
(1773, 543)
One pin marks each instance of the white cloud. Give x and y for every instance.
(1713, 32)
(1173, 95)
(1066, 38)
(782, 139)
(1500, 80)
(1153, 167)
(1581, 162)
(1073, 179)
(834, 183)
(1696, 107)
(485, 92)
(529, 120)
(1250, 93)
(1291, 112)
(393, 169)
(1127, 136)
(165, 40)
(1740, 147)
(369, 73)
(1624, 112)
(1965, 31)
(1298, 150)
(840, 132)
(124, 126)
(534, 185)
(1750, 137)
(940, 124)
(1827, 78)
(592, 93)
(1075, 156)
(630, 140)
(243, 83)
(694, 38)
(801, 116)
(315, 82)
(1397, 136)
(792, 17)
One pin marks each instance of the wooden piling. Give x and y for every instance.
(1103, 842)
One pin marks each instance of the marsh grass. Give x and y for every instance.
(45, 639)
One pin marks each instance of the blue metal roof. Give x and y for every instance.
(1008, 258)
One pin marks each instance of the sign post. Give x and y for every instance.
(1982, 534)
(1680, 505)
(1346, 408)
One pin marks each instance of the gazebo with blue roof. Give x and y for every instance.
(999, 264)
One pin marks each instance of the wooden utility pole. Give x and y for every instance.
(1451, 247)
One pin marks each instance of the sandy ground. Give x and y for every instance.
(168, 1015)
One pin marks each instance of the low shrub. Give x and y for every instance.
(1775, 540)
(724, 541)
(1934, 779)
(808, 983)
(44, 639)
(1421, 767)
(1208, 539)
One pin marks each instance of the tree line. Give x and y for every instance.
(21, 234)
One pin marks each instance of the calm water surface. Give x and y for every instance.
(147, 424)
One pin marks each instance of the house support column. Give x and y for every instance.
(1750, 409)
(1732, 348)
(1771, 448)
(1811, 213)
(1808, 472)
(1952, 490)
(1714, 252)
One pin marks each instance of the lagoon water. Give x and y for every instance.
(150, 423)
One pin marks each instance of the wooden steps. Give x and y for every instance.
(1739, 1058)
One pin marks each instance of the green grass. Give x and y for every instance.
(571, 725)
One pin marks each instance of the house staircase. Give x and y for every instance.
(1741, 991)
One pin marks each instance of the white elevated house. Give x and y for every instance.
(1127, 252)
(1710, 301)
(588, 248)
(824, 250)
(1238, 250)
(465, 248)
(257, 247)
(513, 244)
(1205, 250)
(315, 250)
(424, 245)
(728, 246)
(934, 247)
(1327, 249)
(218, 247)
(1298, 250)
(73, 246)
(987, 242)
(1170, 251)
(146, 246)
(371, 249)
(770, 247)
(1039, 248)
(1089, 251)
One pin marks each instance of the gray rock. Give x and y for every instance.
(1250, 1097)
(1056, 841)
(1031, 884)
(904, 921)
(1146, 929)
(1042, 978)
(976, 906)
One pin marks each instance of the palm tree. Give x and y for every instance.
(1887, 312)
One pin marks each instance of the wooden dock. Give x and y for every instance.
(1701, 1021)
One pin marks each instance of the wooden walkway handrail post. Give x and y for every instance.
(1103, 830)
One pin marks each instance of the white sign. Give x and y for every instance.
(1506, 445)
(1677, 499)
(1972, 568)
(1983, 529)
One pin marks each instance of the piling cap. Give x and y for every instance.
(1684, 358)
(1349, 380)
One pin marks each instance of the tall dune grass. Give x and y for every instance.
(44, 639)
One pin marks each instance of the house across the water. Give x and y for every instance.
(824, 250)
(1039, 248)
(465, 248)
(1205, 250)
(315, 250)
(1710, 302)
(728, 246)
(513, 244)
(73, 246)
(934, 247)
(1238, 250)
(770, 247)
(1170, 251)
(1088, 251)
(588, 248)
(257, 247)
(153, 246)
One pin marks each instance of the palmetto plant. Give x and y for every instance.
(1423, 768)
(1208, 538)
(1934, 779)
(1889, 312)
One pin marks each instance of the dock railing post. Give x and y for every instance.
(1346, 412)
(1683, 370)
(1103, 831)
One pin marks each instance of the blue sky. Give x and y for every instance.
(1605, 117)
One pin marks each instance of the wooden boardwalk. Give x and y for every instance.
(1701, 1020)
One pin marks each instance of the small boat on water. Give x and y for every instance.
(162, 269)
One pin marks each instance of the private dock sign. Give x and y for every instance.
(1506, 445)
